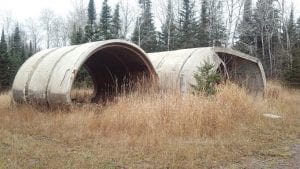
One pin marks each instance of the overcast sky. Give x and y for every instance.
(22, 9)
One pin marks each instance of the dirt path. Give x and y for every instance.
(289, 160)
(294, 162)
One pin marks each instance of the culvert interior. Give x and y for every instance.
(241, 71)
(113, 70)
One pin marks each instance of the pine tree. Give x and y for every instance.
(16, 54)
(4, 64)
(77, 36)
(289, 36)
(292, 75)
(91, 24)
(217, 30)
(144, 33)
(30, 50)
(246, 31)
(17, 47)
(292, 27)
(116, 23)
(168, 34)
(187, 30)
(203, 36)
(206, 80)
(104, 30)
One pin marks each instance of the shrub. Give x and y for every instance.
(206, 80)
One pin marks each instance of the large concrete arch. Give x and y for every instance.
(176, 68)
(243, 69)
(48, 76)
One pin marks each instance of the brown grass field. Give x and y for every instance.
(155, 130)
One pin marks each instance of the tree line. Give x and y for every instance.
(262, 29)
(12, 55)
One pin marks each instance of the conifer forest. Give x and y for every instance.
(266, 29)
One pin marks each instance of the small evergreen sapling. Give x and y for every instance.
(206, 80)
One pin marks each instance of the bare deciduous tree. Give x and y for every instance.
(47, 17)
(129, 12)
(233, 9)
(34, 31)
(8, 22)
(78, 13)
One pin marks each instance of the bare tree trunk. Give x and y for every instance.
(270, 55)
(229, 22)
(139, 25)
(262, 43)
(128, 15)
(236, 24)
(47, 17)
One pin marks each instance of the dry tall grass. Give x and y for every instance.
(152, 129)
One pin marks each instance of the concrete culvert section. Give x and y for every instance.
(48, 76)
(242, 69)
(176, 68)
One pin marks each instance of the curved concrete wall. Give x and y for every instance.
(48, 76)
(176, 68)
(243, 69)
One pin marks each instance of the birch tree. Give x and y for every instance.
(34, 32)
(47, 17)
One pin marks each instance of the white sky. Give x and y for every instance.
(22, 9)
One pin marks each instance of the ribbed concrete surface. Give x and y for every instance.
(48, 76)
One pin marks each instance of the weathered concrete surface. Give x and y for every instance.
(176, 68)
(48, 76)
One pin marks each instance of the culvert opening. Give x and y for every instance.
(110, 71)
(241, 71)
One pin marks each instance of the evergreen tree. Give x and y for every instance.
(266, 30)
(246, 31)
(292, 76)
(30, 50)
(206, 80)
(116, 23)
(73, 37)
(104, 31)
(203, 36)
(291, 28)
(168, 35)
(77, 36)
(17, 46)
(187, 30)
(289, 36)
(16, 53)
(144, 33)
(217, 30)
(91, 25)
(4, 64)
